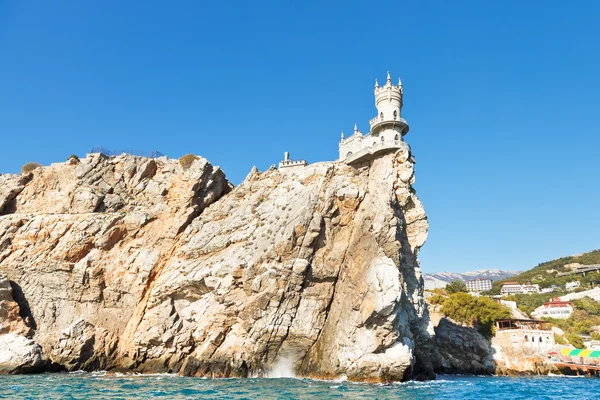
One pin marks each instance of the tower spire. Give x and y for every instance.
(376, 83)
(399, 82)
(355, 128)
(342, 135)
(389, 78)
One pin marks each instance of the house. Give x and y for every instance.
(554, 308)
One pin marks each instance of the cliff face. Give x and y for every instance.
(137, 264)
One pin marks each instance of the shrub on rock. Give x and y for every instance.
(29, 167)
(73, 159)
(187, 160)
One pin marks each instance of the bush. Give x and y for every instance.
(437, 299)
(480, 312)
(187, 160)
(575, 340)
(73, 160)
(456, 286)
(559, 339)
(29, 167)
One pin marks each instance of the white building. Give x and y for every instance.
(479, 285)
(517, 288)
(572, 285)
(386, 129)
(554, 309)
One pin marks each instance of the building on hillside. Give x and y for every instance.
(554, 308)
(511, 288)
(529, 288)
(572, 285)
(479, 285)
(517, 288)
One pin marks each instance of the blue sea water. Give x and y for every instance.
(105, 386)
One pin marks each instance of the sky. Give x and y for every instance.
(501, 98)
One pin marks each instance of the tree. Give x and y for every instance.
(480, 312)
(456, 286)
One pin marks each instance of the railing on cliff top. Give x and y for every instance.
(112, 153)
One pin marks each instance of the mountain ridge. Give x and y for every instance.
(441, 279)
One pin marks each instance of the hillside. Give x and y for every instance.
(441, 279)
(545, 274)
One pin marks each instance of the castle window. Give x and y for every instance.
(396, 137)
(374, 143)
(381, 116)
(382, 139)
(395, 114)
(349, 154)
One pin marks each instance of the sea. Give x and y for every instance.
(110, 386)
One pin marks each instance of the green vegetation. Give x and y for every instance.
(29, 167)
(529, 302)
(479, 312)
(437, 299)
(456, 286)
(187, 160)
(544, 274)
(560, 340)
(575, 340)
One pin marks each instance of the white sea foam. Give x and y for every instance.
(282, 368)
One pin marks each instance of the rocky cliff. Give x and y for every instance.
(129, 263)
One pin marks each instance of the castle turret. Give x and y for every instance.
(387, 128)
(388, 100)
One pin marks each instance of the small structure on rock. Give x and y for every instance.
(288, 163)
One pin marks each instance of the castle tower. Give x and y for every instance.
(389, 123)
(387, 128)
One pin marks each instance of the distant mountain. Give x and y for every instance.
(441, 279)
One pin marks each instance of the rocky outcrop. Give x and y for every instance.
(137, 264)
(463, 350)
(18, 353)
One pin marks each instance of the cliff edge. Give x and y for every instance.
(130, 263)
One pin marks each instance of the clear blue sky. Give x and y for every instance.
(501, 96)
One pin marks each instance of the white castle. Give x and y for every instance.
(386, 130)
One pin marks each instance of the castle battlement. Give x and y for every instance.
(287, 162)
